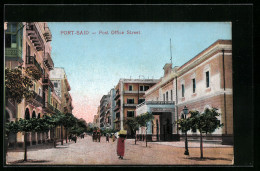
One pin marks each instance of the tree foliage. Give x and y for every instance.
(206, 122)
(17, 84)
(144, 118)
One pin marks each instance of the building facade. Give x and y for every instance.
(129, 93)
(61, 86)
(203, 82)
(27, 44)
(104, 109)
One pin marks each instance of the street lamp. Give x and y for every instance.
(186, 111)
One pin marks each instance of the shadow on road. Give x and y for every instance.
(207, 158)
(28, 161)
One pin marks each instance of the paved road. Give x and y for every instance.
(86, 152)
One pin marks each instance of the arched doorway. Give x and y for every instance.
(38, 133)
(33, 133)
(27, 136)
(11, 136)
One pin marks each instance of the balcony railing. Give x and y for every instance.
(49, 108)
(47, 81)
(36, 99)
(34, 36)
(48, 61)
(31, 61)
(130, 105)
(156, 103)
(134, 92)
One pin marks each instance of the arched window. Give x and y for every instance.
(39, 115)
(33, 114)
(7, 116)
(27, 114)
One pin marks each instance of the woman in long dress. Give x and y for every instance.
(121, 146)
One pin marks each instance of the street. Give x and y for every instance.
(86, 152)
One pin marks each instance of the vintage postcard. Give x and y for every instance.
(118, 93)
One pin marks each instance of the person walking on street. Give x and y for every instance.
(113, 137)
(121, 144)
(107, 137)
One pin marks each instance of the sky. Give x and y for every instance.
(95, 61)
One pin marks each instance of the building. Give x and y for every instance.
(129, 93)
(112, 107)
(160, 101)
(27, 44)
(96, 120)
(61, 86)
(203, 82)
(103, 111)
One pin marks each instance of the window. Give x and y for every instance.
(130, 113)
(40, 92)
(171, 96)
(207, 79)
(182, 90)
(34, 87)
(10, 37)
(167, 96)
(141, 88)
(55, 84)
(141, 101)
(8, 40)
(130, 88)
(130, 101)
(163, 97)
(193, 85)
(146, 88)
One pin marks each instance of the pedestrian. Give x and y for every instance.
(113, 137)
(121, 144)
(107, 137)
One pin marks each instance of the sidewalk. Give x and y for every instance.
(181, 144)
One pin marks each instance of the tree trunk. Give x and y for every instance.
(146, 137)
(61, 135)
(201, 146)
(66, 132)
(135, 137)
(25, 146)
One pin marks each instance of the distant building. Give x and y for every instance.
(61, 87)
(103, 110)
(129, 93)
(205, 81)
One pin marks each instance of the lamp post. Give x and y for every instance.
(186, 111)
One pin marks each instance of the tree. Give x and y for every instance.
(17, 86)
(28, 125)
(143, 121)
(133, 125)
(206, 122)
(68, 122)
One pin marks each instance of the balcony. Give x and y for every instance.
(116, 108)
(130, 105)
(14, 53)
(36, 100)
(56, 110)
(34, 36)
(49, 108)
(117, 95)
(32, 62)
(47, 81)
(134, 92)
(156, 103)
(48, 61)
(47, 35)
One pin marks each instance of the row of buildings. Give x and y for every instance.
(28, 44)
(203, 82)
